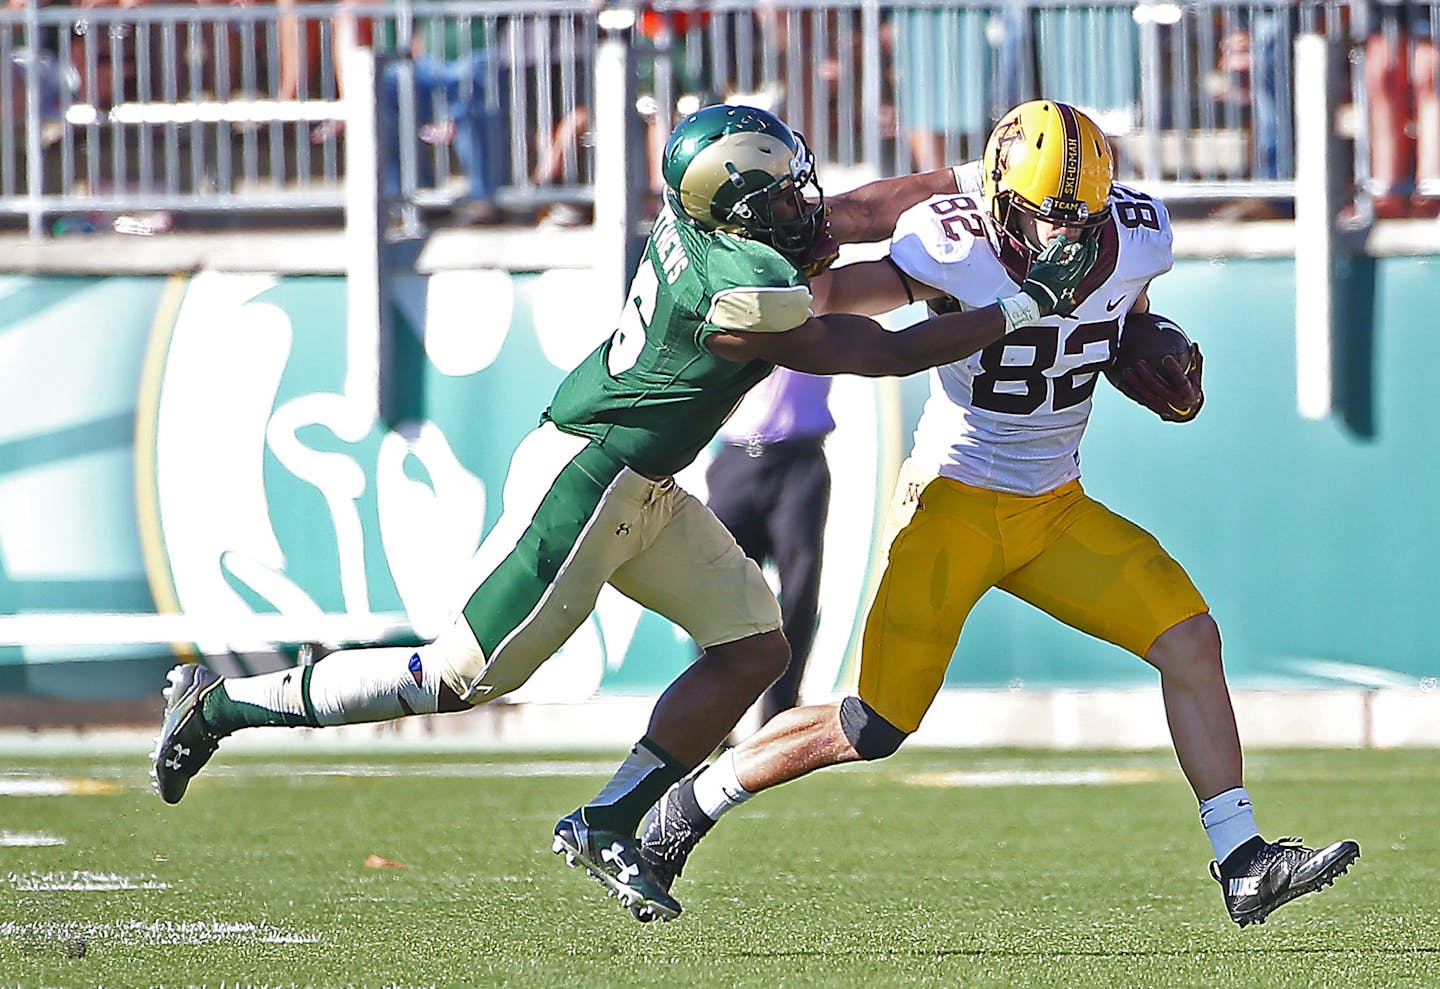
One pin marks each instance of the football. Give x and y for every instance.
(1149, 337)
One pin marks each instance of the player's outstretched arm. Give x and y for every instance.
(847, 343)
(869, 212)
(867, 287)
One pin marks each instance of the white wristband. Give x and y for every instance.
(1020, 310)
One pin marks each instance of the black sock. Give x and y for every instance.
(647, 773)
(689, 807)
(1241, 856)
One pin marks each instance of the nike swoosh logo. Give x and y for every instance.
(1112, 306)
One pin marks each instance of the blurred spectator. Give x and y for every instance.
(459, 94)
(770, 486)
(52, 85)
(808, 65)
(942, 62)
(1252, 82)
(668, 65)
(1106, 84)
(1404, 109)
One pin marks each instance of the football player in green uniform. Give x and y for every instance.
(721, 296)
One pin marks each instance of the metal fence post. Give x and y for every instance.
(34, 145)
(364, 222)
(1316, 159)
(619, 156)
(1150, 93)
(870, 79)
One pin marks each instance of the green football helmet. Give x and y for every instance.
(740, 169)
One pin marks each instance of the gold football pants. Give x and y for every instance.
(1062, 551)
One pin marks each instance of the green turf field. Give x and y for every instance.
(934, 868)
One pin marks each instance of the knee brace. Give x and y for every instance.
(871, 735)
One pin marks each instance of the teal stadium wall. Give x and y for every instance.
(186, 443)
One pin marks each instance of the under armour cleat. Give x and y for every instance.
(1277, 873)
(614, 860)
(184, 743)
(671, 830)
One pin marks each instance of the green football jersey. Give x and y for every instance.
(652, 394)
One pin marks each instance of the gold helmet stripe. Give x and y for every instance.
(714, 165)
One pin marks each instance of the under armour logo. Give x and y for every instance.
(623, 529)
(616, 854)
(174, 761)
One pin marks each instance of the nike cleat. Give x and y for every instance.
(614, 860)
(184, 743)
(1279, 872)
(671, 830)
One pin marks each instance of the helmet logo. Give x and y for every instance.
(1008, 134)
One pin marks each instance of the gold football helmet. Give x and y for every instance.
(1051, 161)
(740, 169)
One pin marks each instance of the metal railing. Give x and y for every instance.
(241, 109)
(219, 109)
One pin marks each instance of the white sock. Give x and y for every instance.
(718, 789)
(346, 687)
(278, 692)
(358, 685)
(1229, 821)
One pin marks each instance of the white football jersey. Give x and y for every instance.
(1010, 418)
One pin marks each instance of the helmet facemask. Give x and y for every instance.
(1010, 211)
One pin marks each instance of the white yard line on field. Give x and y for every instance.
(85, 882)
(137, 932)
(28, 839)
(1035, 777)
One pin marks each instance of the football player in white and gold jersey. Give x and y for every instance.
(991, 497)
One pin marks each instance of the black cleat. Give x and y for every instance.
(671, 830)
(1277, 873)
(614, 860)
(184, 743)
